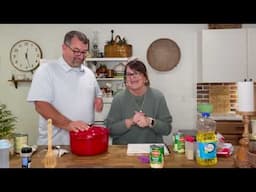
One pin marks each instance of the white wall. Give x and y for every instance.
(178, 85)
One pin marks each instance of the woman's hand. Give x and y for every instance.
(140, 119)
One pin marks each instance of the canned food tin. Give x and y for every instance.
(156, 156)
(21, 140)
(178, 142)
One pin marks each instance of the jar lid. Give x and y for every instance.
(26, 149)
(189, 138)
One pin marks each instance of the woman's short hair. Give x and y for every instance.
(139, 66)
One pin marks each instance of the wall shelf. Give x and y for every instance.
(110, 79)
(16, 81)
(108, 59)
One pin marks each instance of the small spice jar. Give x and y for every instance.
(25, 155)
(252, 143)
(189, 147)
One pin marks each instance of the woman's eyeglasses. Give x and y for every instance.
(135, 74)
(76, 51)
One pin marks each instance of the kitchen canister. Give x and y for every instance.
(20, 140)
(4, 153)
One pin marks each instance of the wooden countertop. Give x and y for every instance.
(115, 157)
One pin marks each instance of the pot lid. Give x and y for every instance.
(163, 54)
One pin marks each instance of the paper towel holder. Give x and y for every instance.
(248, 80)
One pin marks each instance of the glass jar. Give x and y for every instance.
(252, 144)
(189, 147)
(20, 140)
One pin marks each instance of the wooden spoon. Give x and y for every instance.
(50, 160)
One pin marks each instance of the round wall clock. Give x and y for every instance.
(25, 55)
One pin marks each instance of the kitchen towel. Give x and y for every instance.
(245, 93)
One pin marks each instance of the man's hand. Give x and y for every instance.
(98, 104)
(78, 126)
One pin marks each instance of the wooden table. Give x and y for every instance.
(115, 157)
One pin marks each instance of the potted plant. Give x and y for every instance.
(7, 125)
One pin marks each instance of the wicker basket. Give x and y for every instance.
(118, 48)
(252, 159)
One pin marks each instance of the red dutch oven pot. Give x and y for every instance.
(91, 142)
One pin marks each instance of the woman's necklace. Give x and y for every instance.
(139, 100)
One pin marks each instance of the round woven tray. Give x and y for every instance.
(163, 54)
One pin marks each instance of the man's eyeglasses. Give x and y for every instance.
(135, 74)
(76, 51)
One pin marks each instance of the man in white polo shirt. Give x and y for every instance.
(66, 91)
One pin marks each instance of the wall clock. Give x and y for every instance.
(25, 55)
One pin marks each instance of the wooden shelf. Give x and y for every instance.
(110, 79)
(16, 81)
(108, 59)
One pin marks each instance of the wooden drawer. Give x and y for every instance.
(231, 130)
(234, 139)
(230, 127)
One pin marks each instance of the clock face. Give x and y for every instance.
(25, 55)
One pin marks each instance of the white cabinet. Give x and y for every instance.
(228, 55)
(251, 35)
(224, 55)
(114, 84)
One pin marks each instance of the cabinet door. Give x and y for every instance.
(224, 55)
(252, 53)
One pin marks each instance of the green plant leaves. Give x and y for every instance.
(7, 122)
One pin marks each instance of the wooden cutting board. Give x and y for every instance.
(219, 98)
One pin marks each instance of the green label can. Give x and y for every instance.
(178, 142)
(156, 156)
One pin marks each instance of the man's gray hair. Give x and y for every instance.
(71, 34)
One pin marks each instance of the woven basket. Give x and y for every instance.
(118, 49)
(252, 159)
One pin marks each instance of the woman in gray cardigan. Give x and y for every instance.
(138, 114)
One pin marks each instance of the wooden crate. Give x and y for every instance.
(224, 26)
(231, 130)
(219, 98)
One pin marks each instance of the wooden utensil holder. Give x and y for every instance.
(242, 152)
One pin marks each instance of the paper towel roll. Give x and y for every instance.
(245, 92)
